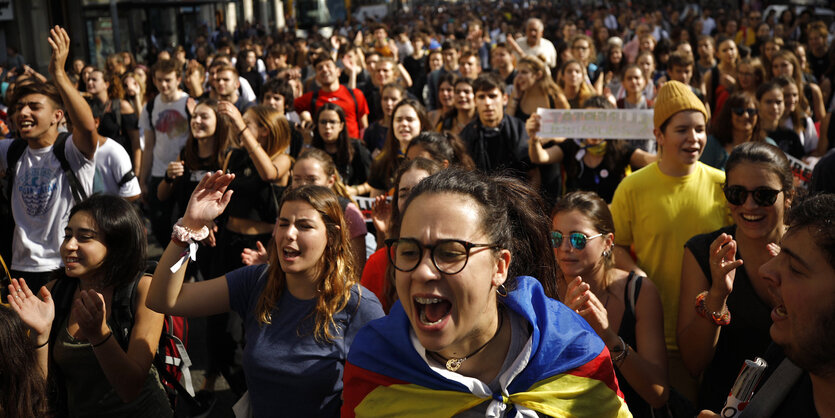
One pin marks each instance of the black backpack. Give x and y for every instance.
(171, 360)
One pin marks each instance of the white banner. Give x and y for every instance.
(596, 123)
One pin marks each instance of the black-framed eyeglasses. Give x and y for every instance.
(578, 240)
(763, 196)
(449, 256)
(739, 111)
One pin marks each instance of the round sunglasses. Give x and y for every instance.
(578, 240)
(763, 196)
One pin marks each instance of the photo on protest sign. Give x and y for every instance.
(596, 123)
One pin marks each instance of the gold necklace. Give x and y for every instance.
(453, 364)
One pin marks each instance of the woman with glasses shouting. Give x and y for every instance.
(724, 309)
(472, 333)
(622, 308)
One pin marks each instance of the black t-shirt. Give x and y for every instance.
(503, 147)
(788, 141)
(746, 337)
(600, 179)
(356, 171)
(818, 65)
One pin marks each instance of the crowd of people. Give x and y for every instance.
(499, 272)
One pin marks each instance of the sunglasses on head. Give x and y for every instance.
(577, 240)
(739, 111)
(763, 196)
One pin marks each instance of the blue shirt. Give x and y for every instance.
(286, 369)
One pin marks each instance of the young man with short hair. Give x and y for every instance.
(495, 141)
(351, 101)
(450, 53)
(661, 206)
(42, 191)
(468, 65)
(225, 85)
(166, 128)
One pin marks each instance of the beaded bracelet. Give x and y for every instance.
(718, 318)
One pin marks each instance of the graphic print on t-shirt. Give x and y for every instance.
(36, 187)
(171, 123)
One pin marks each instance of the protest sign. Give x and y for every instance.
(596, 123)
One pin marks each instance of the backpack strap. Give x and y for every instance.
(16, 150)
(130, 175)
(58, 148)
(124, 304)
(149, 110)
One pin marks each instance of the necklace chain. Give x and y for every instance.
(453, 364)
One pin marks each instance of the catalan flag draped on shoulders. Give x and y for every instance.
(564, 370)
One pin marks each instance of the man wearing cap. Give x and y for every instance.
(658, 208)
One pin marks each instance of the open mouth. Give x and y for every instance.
(71, 260)
(27, 124)
(290, 253)
(779, 312)
(752, 218)
(432, 310)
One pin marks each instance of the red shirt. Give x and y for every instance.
(342, 98)
(374, 276)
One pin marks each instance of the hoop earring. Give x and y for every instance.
(605, 253)
(502, 290)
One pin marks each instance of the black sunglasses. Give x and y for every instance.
(739, 111)
(576, 239)
(763, 196)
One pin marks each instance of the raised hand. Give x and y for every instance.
(229, 109)
(208, 200)
(59, 40)
(252, 257)
(36, 313)
(90, 311)
(381, 214)
(596, 315)
(723, 264)
(577, 294)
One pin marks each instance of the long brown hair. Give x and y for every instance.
(337, 273)
(385, 166)
(279, 137)
(224, 134)
(22, 388)
(545, 84)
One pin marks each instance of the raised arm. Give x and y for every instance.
(37, 314)
(84, 136)
(697, 336)
(168, 293)
(269, 170)
(536, 152)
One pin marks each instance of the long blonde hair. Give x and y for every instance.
(337, 273)
(545, 84)
(279, 138)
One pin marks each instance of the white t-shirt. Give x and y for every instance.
(112, 163)
(545, 49)
(41, 203)
(170, 125)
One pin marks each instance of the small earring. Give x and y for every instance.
(501, 290)
(605, 253)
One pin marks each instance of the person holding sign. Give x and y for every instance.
(596, 165)
(658, 208)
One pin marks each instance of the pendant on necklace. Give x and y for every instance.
(454, 364)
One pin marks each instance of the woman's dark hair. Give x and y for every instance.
(443, 146)
(512, 215)
(767, 87)
(596, 210)
(224, 134)
(121, 230)
(450, 78)
(345, 152)
(722, 126)
(766, 154)
(22, 387)
(385, 166)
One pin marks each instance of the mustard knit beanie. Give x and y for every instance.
(674, 97)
